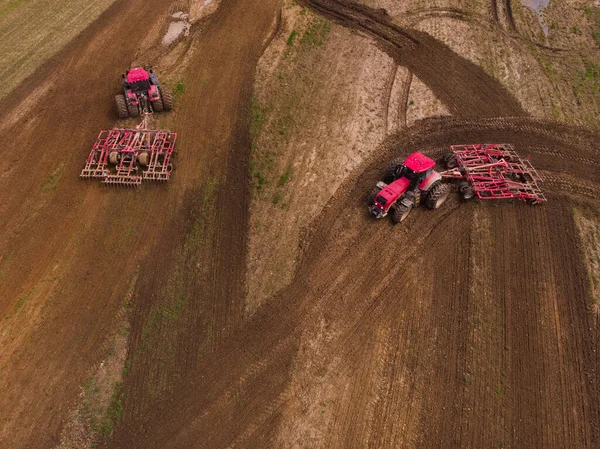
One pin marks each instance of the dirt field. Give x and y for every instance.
(263, 307)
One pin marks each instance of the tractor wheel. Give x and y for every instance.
(121, 106)
(167, 98)
(133, 109)
(389, 175)
(144, 158)
(113, 157)
(373, 194)
(158, 105)
(400, 212)
(437, 195)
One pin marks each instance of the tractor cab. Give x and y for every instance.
(406, 185)
(138, 80)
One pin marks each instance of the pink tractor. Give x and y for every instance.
(486, 171)
(408, 184)
(142, 94)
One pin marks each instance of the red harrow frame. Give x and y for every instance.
(494, 171)
(128, 156)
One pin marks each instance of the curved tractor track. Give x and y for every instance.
(463, 327)
(466, 327)
(494, 293)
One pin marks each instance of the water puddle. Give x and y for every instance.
(538, 6)
(180, 26)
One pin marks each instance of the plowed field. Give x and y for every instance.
(468, 326)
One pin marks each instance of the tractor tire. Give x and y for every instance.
(389, 174)
(167, 98)
(400, 212)
(437, 195)
(372, 195)
(113, 157)
(144, 159)
(133, 109)
(121, 106)
(157, 105)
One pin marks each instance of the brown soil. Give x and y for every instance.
(468, 326)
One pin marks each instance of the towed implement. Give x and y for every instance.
(129, 156)
(488, 171)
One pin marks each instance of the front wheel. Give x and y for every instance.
(400, 212)
(372, 195)
(438, 194)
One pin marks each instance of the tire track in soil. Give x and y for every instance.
(344, 254)
(389, 85)
(416, 16)
(509, 16)
(494, 11)
(62, 244)
(207, 251)
(403, 105)
(460, 85)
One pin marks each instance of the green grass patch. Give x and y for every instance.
(290, 40)
(9, 7)
(179, 89)
(315, 34)
(285, 177)
(51, 181)
(593, 15)
(592, 75)
(276, 198)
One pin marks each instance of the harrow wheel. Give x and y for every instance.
(167, 98)
(400, 212)
(113, 157)
(144, 159)
(121, 106)
(466, 191)
(451, 161)
(438, 194)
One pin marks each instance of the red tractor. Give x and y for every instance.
(142, 94)
(408, 184)
(487, 171)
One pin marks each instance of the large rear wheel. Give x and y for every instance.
(167, 98)
(438, 194)
(157, 105)
(133, 109)
(121, 106)
(400, 212)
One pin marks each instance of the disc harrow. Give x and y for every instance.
(128, 156)
(495, 171)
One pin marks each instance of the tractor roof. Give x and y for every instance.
(418, 162)
(137, 74)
